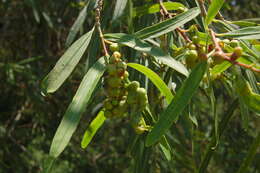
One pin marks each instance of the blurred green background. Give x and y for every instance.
(32, 38)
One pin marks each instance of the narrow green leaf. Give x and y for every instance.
(248, 33)
(179, 102)
(72, 115)
(168, 25)
(154, 8)
(250, 98)
(214, 8)
(66, 64)
(166, 148)
(156, 52)
(157, 81)
(92, 129)
(76, 26)
(217, 69)
(119, 9)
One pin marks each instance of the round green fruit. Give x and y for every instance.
(238, 51)
(117, 54)
(131, 98)
(234, 43)
(191, 58)
(114, 60)
(126, 75)
(114, 47)
(122, 65)
(133, 86)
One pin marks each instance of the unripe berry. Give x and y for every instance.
(126, 75)
(114, 60)
(217, 58)
(238, 51)
(122, 65)
(131, 98)
(117, 54)
(234, 43)
(191, 58)
(114, 47)
(192, 47)
(133, 86)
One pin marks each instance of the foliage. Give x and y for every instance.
(199, 72)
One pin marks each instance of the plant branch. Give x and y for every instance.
(98, 10)
(165, 12)
(202, 8)
(219, 53)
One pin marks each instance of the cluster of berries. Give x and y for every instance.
(123, 96)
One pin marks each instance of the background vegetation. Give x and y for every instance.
(33, 37)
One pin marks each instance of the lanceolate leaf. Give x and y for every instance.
(250, 98)
(92, 129)
(154, 8)
(119, 9)
(157, 81)
(66, 64)
(76, 26)
(168, 25)
(137, 44)
(245, 33)
(72, 115)
(179, 102)
(214, 8)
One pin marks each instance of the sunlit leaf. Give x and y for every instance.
(168, 25)
(157, 81)
(244, 33)
(92, 129)
(76, 26)
(154, 8)
(213, 10)
(137, 44)
(179, 102)
(119, 9)
(79, 102)
(66, 64)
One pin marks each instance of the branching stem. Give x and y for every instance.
(98, 10)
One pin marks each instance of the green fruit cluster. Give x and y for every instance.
(195, 52)
(115, 105)
(123, 97)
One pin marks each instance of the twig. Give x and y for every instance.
(167, 14)
(219, 52)
(98, 9)
(202, 8)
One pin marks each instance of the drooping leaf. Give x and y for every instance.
(179, 102)
(168, 25)
(72, 115)
(154, 8)
(66, 64)
(166, 148)
(92, 129)
(157, 81)
(76, 26)
(248, 33)
(119, 9)
(157, 53)
(213, 10)
(250, 98)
